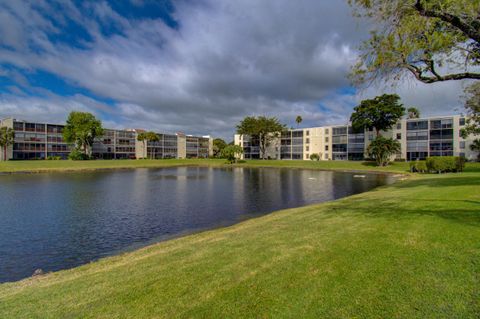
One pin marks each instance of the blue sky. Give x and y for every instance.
(192, 66)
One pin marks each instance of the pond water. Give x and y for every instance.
(57, 221)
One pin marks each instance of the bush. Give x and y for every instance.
(443, 164)
(314, 157)
(54, 158)
(418, 166)
(77, 155)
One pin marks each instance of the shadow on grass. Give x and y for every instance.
(442, 181)
(370, 164)
(465, 212)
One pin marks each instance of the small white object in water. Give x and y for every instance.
(312, 178)
(359, 176)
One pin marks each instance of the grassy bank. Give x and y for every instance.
(46, 166)
(409, 250)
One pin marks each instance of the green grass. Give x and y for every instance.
(44, 166)
(409, 250)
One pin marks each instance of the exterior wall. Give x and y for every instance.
(182, 146)
(419, 138)
(41, 140)
(9, 150)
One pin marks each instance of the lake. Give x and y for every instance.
(61, 220)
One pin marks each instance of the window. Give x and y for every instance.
(326, 156)
(326, 139)
(308, 155)
(326, 131)
(417, 136)
(417, 125)
(307, 148)
(339, 130)
(399, 126)
(461, 121)
(326, 147)
(445, 123)
(308, 133)
(307, 141)
(462, 145)
(399, 136)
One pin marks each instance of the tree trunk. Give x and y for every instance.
(5, 153)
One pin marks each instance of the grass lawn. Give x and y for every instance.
(44, 166)
(409, 250)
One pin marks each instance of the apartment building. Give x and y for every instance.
(43, 140)
(419, 139)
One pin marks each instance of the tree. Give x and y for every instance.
(148, 137)
(81, 130)
(379, 113)
(475, 146)
(264, 128)
(299, 120)
(433, 40)
(413, 113)
(7, 137)
(218, 146)
(315, 157)
(232, 153)
(382, 148)
(472, 105)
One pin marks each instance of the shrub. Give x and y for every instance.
(443, 164)
(418, 166)
(77, 155)
(314, 157)
(232, 153)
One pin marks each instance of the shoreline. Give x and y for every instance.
(82, 166)
(152, 243)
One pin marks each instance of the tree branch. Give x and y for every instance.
(467, 29)
(418, 73)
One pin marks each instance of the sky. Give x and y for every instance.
(196, 66)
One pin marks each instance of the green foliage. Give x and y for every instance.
(54, 158)
(382, 148)
(418, 166)
(7, 137)
(218, 146)
(443, 164)
(148, 137)
(299, 120)
(475, 146)
(78, 155)
(314, 157)
(262, 127)
(232, 153)
(472, 105)
(413, 113)
(380, 113)
(81, 130)
(419, 37)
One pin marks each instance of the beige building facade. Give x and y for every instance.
(43, 140)
(419, 139)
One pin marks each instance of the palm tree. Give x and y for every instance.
(298, 120)
(146, 137)
(475, 146)
(7, 137)
(152, 137)
(413, 113)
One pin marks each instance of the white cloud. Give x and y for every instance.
(226, 60)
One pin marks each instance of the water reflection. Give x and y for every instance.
(57, 221)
